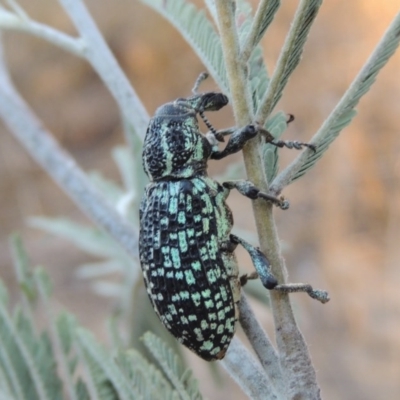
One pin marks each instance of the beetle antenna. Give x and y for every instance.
(203, 76)
(217, 135)
(293, 144)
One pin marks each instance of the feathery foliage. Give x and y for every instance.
(198, 31)
(30, 361)
(266, 12)
(290, 55)
(345, 111)
(276, 125)
(173, 368)
(65, 358)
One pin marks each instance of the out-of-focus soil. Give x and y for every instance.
(343, 228)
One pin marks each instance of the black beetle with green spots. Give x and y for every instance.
(186, 246)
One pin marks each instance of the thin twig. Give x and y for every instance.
(17, 9)
(296, 363)
(9, 20)
(264, 7)
(297, 368)
(103, 61)
(235, 70)
(23, 123)
(247, 372)
(91, 46)
(289, 56)
(261, 344)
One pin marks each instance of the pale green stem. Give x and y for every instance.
(235, 70)
(105, 64)
(261, 344)
(264, 7)
(290, 46)
(247, 372)
(25, 126)
(297, 367)
(11, 21)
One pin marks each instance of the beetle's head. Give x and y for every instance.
(192, 106)
(174, 146)
(210, 101)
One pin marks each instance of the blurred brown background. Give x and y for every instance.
(342, 231)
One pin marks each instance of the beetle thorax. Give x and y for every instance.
(174, 146)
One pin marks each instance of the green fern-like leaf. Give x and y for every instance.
(104, 373)
(198, 32)
(297, 44)
(21, 266)
(81, 390)
(276, 126)
(38, 356)
(258, 75)
(66, 325)
(267, 17)
(90, 240)
(290, 55)
(334, 131)
(148, 380)
(263, 19)
(27, 360)
(29, 370)
(181, 379)
(10, 361)
(344, 112)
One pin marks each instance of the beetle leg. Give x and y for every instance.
(260, 262)
(247, 277)
(317, 294)
(248, 189)
(236, 142)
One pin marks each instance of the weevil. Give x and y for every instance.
(186, 246)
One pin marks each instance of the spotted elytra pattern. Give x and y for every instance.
(186, 249)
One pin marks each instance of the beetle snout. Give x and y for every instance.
(213, 101)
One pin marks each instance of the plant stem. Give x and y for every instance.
(9, 20)
(256, 30)
(103, 61)
(296, 364)
(92, 47)
(39, 143)
(234, 68)
(261, 344)
(246, 371)
(289, 57)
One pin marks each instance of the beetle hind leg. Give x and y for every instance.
(260, 262)
(263, 271)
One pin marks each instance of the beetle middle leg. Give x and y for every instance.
(248, 189)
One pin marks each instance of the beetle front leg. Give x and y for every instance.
(248, 189)
(236, 142)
